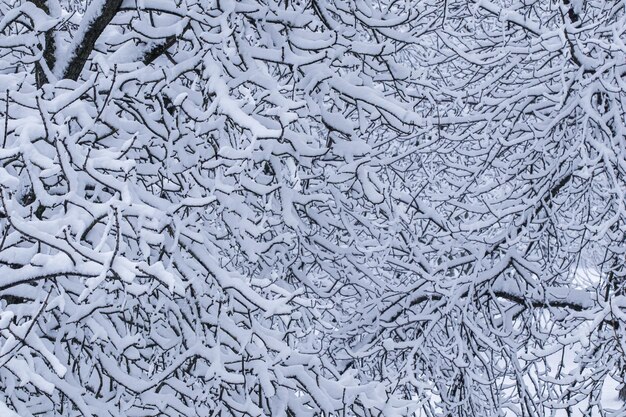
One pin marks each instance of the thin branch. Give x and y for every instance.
(510, 16)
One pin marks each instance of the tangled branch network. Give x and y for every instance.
(312, 208)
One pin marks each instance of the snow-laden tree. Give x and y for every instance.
(512, 296)
(311, 208)
(189, 207)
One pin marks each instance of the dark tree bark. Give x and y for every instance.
(49, 48)
(83, 50)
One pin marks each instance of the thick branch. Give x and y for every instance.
(158, 50)
(555, 297)
(49, 49)
(560, 297)
(92, 32)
